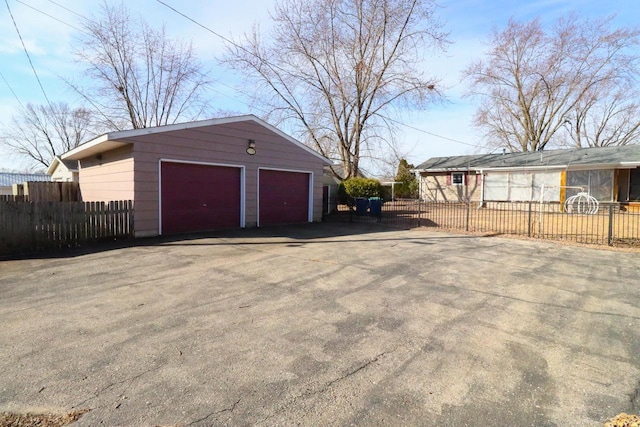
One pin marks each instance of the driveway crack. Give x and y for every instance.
(352, 372)
(328, 385)
(111, 385)
(215, 413)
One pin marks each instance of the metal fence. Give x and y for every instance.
(612, 224)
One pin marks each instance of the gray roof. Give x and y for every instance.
(72, 165)
(7, 179)
(598, 157)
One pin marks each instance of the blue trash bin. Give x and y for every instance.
(362, 205)
(375, 206)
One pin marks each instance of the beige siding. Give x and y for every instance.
(107, 177)
(434, 187)
(220, 144)
(62, 174)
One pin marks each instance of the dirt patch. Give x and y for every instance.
(12, 419)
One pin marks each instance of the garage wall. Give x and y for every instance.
(107, 177)
(222, 144)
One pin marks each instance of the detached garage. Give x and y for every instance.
(208, 175)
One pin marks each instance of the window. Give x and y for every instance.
(522, 186)
(457, 178)
(598, 183)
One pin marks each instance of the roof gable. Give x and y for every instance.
(69, 165)
(114, 140)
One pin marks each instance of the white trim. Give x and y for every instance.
(309, 208)
(576, 166)
(52, 167)
(243, 192)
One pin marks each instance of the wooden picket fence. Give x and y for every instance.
(35, 226)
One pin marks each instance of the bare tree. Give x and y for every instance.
(605, 119)
(137, 76)
(534, 82)
(335, 70)
(41, 132)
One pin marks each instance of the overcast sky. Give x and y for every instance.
(47, 28)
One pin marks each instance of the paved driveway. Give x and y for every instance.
(325, 325)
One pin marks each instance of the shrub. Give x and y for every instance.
(359, 187)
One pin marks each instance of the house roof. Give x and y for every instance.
(115, 140)
(71, 165)
(7, 179)
(621, 156)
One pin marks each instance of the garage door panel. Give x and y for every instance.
(199, 197)
(284, 197)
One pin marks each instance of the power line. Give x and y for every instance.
(197, 23)
(201, 26)
(432, 134)
(278, 67)
(53, 17)
(236, 45)
(12, 91)
(67, 9)
(28, 56)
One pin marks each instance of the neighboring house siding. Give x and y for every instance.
(62, 174)
(439, 187)
(108, 178)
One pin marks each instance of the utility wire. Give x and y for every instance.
(12, 91)
(28, 56)
(67, 9)
(198, 24)
(432, 134)
(278, 67)
(215, 33)
(52, 17)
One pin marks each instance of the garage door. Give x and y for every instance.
(284, 197)
(199, 197)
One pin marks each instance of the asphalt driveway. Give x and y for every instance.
(325, 325)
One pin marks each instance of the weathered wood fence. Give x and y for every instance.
(35, 226)
(37, 191)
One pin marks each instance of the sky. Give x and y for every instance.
(49, 30)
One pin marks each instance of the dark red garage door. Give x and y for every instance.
(284, 197)
(199, 197)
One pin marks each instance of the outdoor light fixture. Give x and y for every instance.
(251, 149)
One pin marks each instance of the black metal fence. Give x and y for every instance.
(612, 224)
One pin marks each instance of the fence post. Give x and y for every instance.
(610, 236)
(529, 222)
(468, 212)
